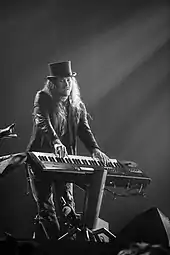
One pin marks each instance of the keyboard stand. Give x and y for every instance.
(91, 209)
(41, 229)
(93, 198)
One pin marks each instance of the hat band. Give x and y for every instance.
(62, 75)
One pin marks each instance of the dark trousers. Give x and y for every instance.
(49, 192)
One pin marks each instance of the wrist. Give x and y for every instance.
(95, 150)
(56, 142)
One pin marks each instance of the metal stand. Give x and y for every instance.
(38, 221)
(86, 230)
(85, 234)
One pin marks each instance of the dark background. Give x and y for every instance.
(120, 50)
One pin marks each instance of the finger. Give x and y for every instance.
(57, 154)
(58, 151)
(61, 152)
(65, 153)
(105, 160)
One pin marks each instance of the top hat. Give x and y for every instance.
(60, 69)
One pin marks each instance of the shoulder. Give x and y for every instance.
(42, 94)
(41, 97)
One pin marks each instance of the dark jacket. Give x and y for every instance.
(44, 134)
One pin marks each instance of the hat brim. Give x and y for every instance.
(54, 77)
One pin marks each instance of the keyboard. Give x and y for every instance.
(118, 173)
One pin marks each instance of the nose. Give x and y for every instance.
(66, 83)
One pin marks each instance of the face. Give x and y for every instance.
(63, 86)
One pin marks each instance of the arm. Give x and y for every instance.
(42, 104)
(84, 131)
(41, 116)
(86, 136)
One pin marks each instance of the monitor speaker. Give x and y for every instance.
(151, 226)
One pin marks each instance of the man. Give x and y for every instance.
(59, 117)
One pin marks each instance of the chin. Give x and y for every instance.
(66, 93)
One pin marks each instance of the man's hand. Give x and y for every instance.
(100, 155)
(60, 150)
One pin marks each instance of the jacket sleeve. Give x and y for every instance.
(85, 133)
(41, 116)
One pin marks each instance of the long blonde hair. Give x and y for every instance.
(74, 99)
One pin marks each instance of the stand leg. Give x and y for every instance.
(40, 231)
(70, 233)
(94, 198)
